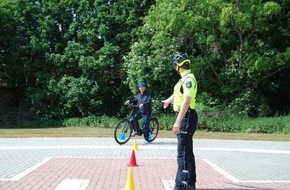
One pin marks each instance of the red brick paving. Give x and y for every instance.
(111, 174)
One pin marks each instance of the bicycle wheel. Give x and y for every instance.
(154, 129)
(123, 131)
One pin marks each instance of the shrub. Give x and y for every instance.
(166, 121)
(210, 119)
(100, 121)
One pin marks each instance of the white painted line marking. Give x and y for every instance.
(168, 184)
(271, 151)
(221, 171)
(73, 184)
(260, 181)
(245, 150)
(61, 147)
(235, 180)
(27, 171)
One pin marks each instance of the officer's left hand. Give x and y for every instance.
(141, 106)
(176, 127)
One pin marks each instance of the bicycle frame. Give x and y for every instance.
(125, 127)
(130, 116)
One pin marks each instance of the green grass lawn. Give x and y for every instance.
(108, 132)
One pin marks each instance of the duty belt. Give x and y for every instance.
(189, 113)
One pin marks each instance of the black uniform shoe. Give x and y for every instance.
(178, 188)
(190, 187)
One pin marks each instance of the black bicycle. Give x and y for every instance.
(126, 126)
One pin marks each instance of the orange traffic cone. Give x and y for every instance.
(133, 159)
(130, 181)
(135, 146)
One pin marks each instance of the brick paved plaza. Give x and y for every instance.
(100, 163)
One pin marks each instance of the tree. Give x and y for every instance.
(12, 47)
(77, 58)
(229, 44)
(72, 51)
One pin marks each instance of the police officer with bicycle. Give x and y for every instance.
(183, 99)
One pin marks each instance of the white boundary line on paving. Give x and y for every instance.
(221, 171)
(73, 184)
(234, 179)
(167, 184)
(44, 161)
(61, 147)
(27, 171)
(270, 151)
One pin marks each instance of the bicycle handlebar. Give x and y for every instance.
(133, 105)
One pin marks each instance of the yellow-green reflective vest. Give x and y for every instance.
(186, 86)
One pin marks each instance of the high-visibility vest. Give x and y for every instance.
(180, 89)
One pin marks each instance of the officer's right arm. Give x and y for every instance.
(167, 101)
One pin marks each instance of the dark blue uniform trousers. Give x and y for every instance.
(186, 173)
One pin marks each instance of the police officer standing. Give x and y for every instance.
(184, 105)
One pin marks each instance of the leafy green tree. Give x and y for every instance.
(229, 43)
(76, 48)
(77, 58)
(12, 46)
(256, 58)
